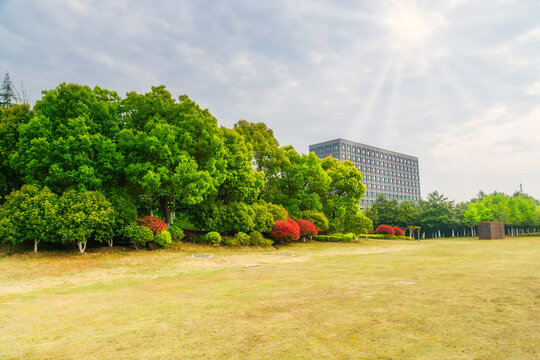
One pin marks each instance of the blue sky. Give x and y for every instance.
(456, 83)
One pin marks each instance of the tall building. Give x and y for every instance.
(384, 172)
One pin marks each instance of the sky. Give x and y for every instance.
(455, 83)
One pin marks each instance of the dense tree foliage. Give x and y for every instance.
(10, 121)
(85, 163)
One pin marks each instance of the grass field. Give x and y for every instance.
(472, 300)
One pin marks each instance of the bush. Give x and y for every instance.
(243, 239)
(235, 216)
(138, 235)
(177, 234)
(125, 209)
(163, 239)
(316, 217)
(398, 231)
(229, 241)
(278, 212)
(285, 231)
(307, 228)
(153, 223)
(348, 237)
(385, 229)
(263, 219)
(213, 238)
(256, 238)
(266, 243)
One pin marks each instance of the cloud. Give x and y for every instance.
(418, 77)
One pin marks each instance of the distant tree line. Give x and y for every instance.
(437, 216)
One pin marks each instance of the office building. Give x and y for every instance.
(386, 172)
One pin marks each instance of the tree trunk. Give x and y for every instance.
(82, 246)
(36, 242)
(164, 204)
(110, 241)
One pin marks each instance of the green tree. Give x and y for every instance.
(85, 215)
(70, 142)
(8, 94)
(387, 212)
(300, 184)
(241, 183)
(10, 121)
(358, 223)
(435, 213)
(344, 192)
(29, 214)
(174, 150)
(268, 157)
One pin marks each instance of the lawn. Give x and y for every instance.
(376, 299)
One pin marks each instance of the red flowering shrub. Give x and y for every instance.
(285, 231)
(294, 224)
(152, 222)
(307, 228)
(385, 229)
(398, 231)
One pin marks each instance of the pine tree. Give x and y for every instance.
(7, 93)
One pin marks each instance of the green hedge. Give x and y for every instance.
(349, 237)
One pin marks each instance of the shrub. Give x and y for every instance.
(294, 224)
(213, 238)
(316, 217)
(256, 238)
(285, 231)
(235, 216)
(263, 219)
(266, 243)
(153, 223)
(277, 211)
(307, 228)
(385, 229)
(125, 209)
(177, 234)
(229, 241)
(138, 235)
(398, 231)
(243, 239)
(163, 239)
(348, 237)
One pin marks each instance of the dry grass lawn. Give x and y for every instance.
(472, 300)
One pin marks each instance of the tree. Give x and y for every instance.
(174, 150)
(344, 192)
(435, 212)
(85, 215)
(268, 157)
(8, 95)
(70, 142)
(385, 211)
(300, 184)
(358, 223)
(10, 121)
(29, 214)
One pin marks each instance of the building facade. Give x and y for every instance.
(393, 174)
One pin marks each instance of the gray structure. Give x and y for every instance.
(386, 172)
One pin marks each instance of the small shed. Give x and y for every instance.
(491, 230)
